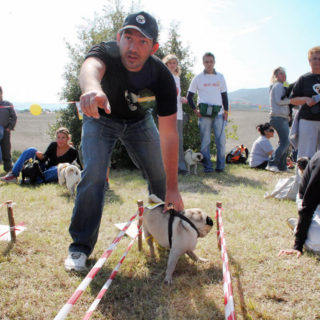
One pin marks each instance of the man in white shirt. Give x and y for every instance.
(212, 111)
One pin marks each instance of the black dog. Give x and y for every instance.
(31, 169)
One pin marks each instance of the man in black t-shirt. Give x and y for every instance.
(117, 80)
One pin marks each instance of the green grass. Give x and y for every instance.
(34, 285)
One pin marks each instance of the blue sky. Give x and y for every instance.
(249, 39)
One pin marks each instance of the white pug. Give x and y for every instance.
(69, 175)
(183, 237)
(192, 159)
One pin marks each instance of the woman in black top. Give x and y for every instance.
(57, 152)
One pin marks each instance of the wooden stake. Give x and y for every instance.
(11, 221)
(140, 208)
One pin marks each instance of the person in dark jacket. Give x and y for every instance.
(309, 193)
(8, 120)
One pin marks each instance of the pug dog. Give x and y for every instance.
(184, 232)
(192, 159)
(69, 175)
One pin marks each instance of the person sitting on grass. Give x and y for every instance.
(262, 149)
(309, 193)
(57, 152)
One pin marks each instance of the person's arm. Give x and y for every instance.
(225, 102)
(190, 96)
(298, 101)
(93, 97)
(169, 142)
(12, 118)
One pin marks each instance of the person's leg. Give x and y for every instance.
(182, 168)
(279, 158)
(25, 155)
(142, 142)
(51, 174)
(220, 140)
(98, 139)
(6, 151)
(205, 126)
(307, 138)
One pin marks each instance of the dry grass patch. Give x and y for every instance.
(34, 284)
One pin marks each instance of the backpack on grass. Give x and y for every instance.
(238, 154)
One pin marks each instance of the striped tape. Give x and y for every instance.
(93, 272)
(229, 310)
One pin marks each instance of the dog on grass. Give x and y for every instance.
(69, 175)
(192, 159)
(31, 169)
(179, 233)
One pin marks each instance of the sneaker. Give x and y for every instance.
(219, 170)
(75, 261)
(9, 178)
(292, 222)
(272, 168)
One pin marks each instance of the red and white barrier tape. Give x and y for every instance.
(109, 281)
(229, 310)
(95, 269)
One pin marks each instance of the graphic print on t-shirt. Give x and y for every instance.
(316, 88)
(144, 100)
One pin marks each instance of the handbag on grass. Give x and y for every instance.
(209, 110)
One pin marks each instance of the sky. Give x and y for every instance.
(249, 39)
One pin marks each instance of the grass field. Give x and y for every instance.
(34, 285)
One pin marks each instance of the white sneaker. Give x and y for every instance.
(272, 168)
(75, 261)
(292, 223)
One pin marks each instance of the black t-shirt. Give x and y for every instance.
(308, 85)
(309, 192)
(51, 155)
(123, 88)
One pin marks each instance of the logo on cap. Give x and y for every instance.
(141, 19)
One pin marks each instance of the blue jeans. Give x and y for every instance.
(1, 137)
(206, 124)
(141, 139)
(51, 174)
(279, 157)
(182, 167)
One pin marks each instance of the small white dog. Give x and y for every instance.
(180, 234)
(192, 159)
(69, 175)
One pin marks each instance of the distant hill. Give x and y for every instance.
(249, 98)
(242, 99)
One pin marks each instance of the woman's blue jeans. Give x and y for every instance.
(206, 125)
(141, 140)
(51, 174)
(279, 157)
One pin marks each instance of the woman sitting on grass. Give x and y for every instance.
(57, 152)
(262, 149)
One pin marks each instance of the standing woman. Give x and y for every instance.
(279, 120)
(171, 61)
(58, 151)
(262, 148)
(306, 88)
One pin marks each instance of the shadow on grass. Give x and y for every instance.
(147, 297)
(201, 182)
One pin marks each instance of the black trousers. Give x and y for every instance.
(6, 151)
